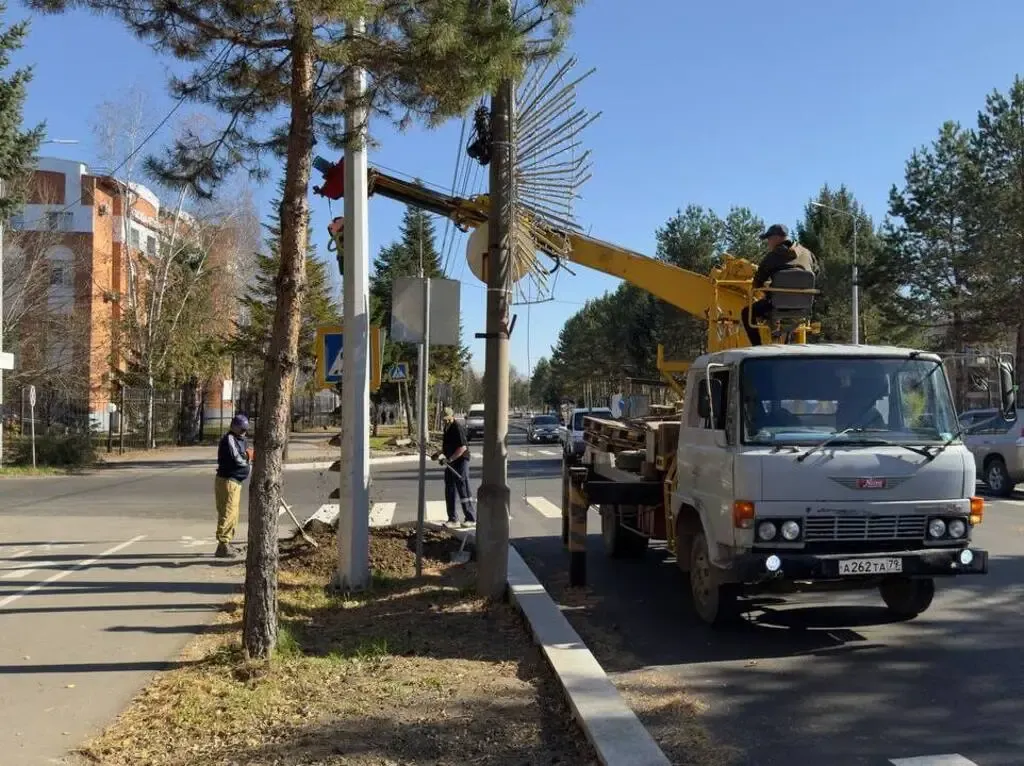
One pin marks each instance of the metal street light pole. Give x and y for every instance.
(855, 309)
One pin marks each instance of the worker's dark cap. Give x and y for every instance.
(776, 230)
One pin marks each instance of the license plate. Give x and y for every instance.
(870, 566)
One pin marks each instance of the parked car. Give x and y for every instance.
(998, 448)
(572, 431)
(475, 421)
(542, 429)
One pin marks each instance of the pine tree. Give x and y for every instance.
(417, 238)
(18, 147)
(253, 332)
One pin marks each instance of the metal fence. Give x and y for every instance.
(69, 429)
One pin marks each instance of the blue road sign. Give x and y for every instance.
(399, 372)
(333, 344)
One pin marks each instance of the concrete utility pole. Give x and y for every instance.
(494, 495)
(354, 485)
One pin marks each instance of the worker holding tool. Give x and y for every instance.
(234, 462)
(454, 458)
(782, 254)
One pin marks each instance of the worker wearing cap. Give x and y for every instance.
(234, 461)
(783, 254)
(454, 458)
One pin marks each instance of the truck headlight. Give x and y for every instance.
(936, 528)
(790, 530)
(956, 528)
(766, 530)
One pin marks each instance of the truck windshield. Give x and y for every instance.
(801, 401)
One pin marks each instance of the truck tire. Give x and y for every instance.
(997, 478)
(716, 603)
(620, 542)
(906, 598)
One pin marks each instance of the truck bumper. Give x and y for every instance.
(754, 567)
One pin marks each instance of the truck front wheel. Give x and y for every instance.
(715, 602)
(906, 598)
(620, 541)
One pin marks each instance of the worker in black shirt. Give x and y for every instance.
(454, 457)
(234, 462)
(782, 254)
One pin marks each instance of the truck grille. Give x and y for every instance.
(834, 527)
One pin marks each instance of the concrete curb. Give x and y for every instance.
(611, 726)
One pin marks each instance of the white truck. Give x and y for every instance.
(794, 467)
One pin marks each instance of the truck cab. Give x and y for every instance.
(831, 465)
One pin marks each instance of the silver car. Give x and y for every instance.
(998, 448)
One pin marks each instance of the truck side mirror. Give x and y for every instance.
(1007, 392)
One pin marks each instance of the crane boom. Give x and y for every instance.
(718, 298)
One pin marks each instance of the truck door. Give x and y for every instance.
(705, 458)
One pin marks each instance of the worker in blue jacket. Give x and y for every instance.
(234, 462)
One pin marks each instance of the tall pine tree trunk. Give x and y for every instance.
(259, 633)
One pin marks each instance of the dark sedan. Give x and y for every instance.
(542, 428)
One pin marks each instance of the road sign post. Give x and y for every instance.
(32, 420)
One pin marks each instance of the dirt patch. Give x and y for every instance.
(411, 672)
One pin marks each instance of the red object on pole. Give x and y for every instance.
(334, 178)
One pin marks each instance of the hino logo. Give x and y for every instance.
(875, 483)
(870, 482)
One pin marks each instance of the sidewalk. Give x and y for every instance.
(302, 448)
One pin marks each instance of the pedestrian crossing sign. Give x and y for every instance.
(330, 346)
(399, 373)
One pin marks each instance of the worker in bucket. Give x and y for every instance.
(234, 462)
(782, 254)
(454, 458)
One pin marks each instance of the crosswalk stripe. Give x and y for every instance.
(548, 452)
(933, 760)
(382, 514)
(544, 507)
(436, 510)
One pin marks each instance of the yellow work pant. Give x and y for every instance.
(228, 495)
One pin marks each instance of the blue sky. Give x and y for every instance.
(716, 104)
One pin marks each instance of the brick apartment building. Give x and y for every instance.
(73, 224)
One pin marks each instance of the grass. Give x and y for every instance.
(409, 672)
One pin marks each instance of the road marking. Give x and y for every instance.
(544, 507)
(548, 452)
(18, 571)
(933, 760)
(436, 510)
(382, 514)
(19, 554)
(64, 573)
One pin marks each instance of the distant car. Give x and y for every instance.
(475, 421)
(542, 429)
(998, 449)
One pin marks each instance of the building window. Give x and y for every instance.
(60, 220)
(151, 246)
(61, 275)
(134, 240)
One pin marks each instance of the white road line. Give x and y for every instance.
(933, 760)
(382, 514)
(19, 571)
(19, 554)
(64, 573)
(548, 452)
(436, 510)
(544, 507)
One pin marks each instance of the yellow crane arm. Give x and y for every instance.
(720, 296)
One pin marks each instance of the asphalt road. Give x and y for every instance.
(818, 679)
(807, 680)
(104, 577)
